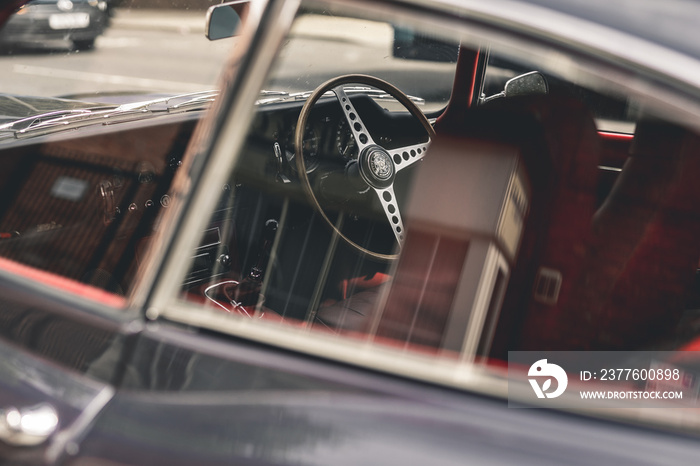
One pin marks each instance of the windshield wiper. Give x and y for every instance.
(282, 96)
(60, 120)
(272, 97)
(178, 103)
(28, 122)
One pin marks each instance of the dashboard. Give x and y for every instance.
(267, 189)
(87, 207)
(327, 135)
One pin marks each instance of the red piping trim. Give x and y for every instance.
(619, 136)
(63, 283)
(476, 67)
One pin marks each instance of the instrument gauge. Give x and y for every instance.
(310, 148)
(345, 141)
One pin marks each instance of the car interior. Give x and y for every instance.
(524, 226)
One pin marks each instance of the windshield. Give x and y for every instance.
(100, 53)
(323, 45)
(100, 58)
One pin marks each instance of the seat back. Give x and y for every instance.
(645, 249)
(559, 231)
(461, 283)
(558, 144)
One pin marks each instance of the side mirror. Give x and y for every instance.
(526, 84)
(530, 83)
(223, 20)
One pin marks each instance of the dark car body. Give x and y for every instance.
(40, 21)
(117, 221)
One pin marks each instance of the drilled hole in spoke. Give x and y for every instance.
(391, 208)
(397, 159)
(387, 196)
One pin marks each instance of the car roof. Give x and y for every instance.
(670, 23)
(645, 37)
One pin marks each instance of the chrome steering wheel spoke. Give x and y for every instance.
(406, 156)
(387, 198)
(374, 166)
(355, 123)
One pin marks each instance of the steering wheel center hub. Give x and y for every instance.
(376, 167)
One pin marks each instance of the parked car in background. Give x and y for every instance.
(37, 22)
(366, 240)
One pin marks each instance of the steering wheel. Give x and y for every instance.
(376, 165)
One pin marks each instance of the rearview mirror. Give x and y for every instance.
(224, 20)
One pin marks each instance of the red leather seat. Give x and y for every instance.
(559, 144)
(641, 265)
(559, 231)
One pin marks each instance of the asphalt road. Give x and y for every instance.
(166, 51)
(143, 53)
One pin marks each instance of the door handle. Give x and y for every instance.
(29, 426)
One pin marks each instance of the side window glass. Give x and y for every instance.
(92, 130)
(613, 112)
(348, 228)
(79, 210)
(332, 222)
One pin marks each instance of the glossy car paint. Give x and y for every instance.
(162, 393)
(205, 400)
(198, 398)
(48, 342)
